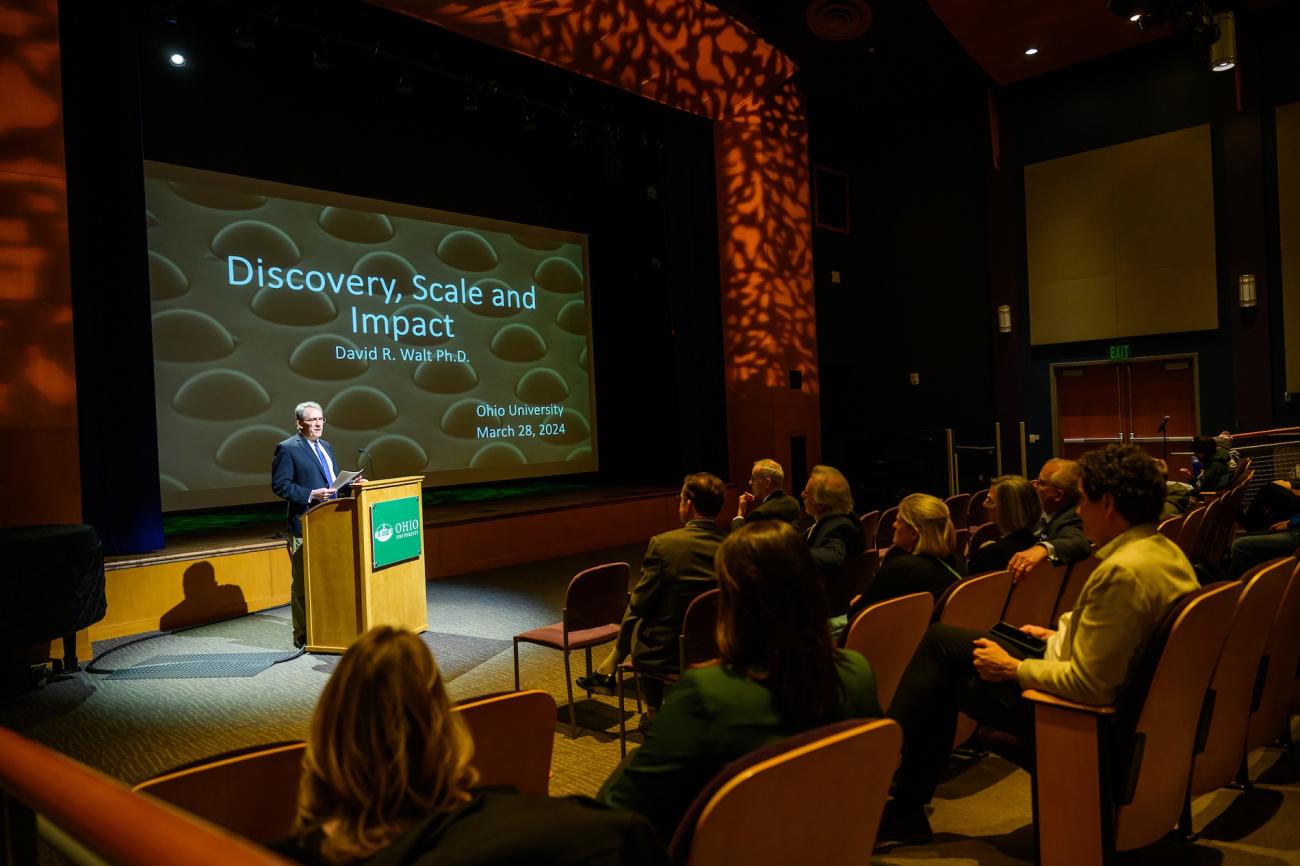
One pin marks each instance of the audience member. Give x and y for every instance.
(678, 566)
(836, 533)
(779, 675)
(1088, 659)
(387, 779)
(1014, 506)
(1273, 502)
(1254, 548)
(923, 557)
(765, 488)
(1215, 472)
(1060, 532)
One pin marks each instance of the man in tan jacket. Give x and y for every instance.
(1088, 659)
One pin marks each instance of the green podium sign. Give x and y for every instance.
(396, 532)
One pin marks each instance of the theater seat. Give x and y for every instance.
(514, 736)
(1083, 813)
(1237, 680)
(1033, 597)
(1281, 652)
(958, 507)
(887, 634)
(1074, 581)
(830, 783)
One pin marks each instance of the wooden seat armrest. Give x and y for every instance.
(1050, 700)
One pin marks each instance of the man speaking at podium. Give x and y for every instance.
(301, 474)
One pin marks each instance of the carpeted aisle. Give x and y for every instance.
(135, 728)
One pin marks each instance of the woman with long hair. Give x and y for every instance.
(923, 557)
(1014, 506)
(778, 675)
(387, 780)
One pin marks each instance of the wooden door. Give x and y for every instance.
(1125, 401)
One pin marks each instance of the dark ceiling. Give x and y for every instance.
(992, 33)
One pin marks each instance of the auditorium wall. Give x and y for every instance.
(38, 395)
(1148, 91)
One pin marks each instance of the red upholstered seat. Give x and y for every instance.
(593, 608)
(553, 636)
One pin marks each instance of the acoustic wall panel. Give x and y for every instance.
(1288, 197)
(1120, 240)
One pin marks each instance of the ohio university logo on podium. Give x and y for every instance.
(396, 531)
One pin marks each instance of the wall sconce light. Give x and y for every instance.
(1004, 319)
(1246, 291)
(1223, 52)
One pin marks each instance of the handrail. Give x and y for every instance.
(124, 828)
(1276, 431)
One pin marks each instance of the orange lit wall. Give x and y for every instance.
(38, 397)
(690, 56)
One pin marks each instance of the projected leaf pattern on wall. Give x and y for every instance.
(37, 384)
(692, 57)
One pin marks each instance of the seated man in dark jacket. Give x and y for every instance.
(836, 533)
(1060, 532)
(678, 566)
(765, 483)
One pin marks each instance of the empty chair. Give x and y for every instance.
(696, 645)
(593, 608)
(1172, 526)
(514, 736)
(1281, 651)
(885, 529)
(252, 791)
(1144, 742)
(1192, 537)
(958, 506)
(1235, 679)
(88, 817)
(1033, 598)
(831, 783)
(870, 521)
(887, 634)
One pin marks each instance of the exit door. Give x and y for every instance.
(1096, 404)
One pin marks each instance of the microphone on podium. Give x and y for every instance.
(364, 453)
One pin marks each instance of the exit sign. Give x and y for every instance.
(1119, 352)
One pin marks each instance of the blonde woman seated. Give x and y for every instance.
(387, 780)
(1014, 506)
(924, 555)
(778, 676)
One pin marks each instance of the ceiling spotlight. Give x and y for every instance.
(1135, 18)
(470, 103)
(177, 59)
(320, 57)
(243, 39)
(404, 85)
(1031, 51)
(1223, 51)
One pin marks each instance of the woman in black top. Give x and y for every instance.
(924, 556)
(1014, 505)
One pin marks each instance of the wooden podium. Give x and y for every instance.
(348, 593)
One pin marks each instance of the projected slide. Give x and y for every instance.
(441, 345)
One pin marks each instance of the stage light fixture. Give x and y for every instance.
(177, 59)
(243, 39)
(1030, 52)
(1004, 319)
(529, 123)
(1223, 51)
(404, 85)
(320, 57)
(1135, 18)
(470, 103)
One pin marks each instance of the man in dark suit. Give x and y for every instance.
(301, 474)
(836, 533)
(1060, 532)
(678, 566)
(765, 488)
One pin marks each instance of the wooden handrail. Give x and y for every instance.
(124, 828)
(1276, 431)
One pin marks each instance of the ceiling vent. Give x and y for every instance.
(838, 20)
